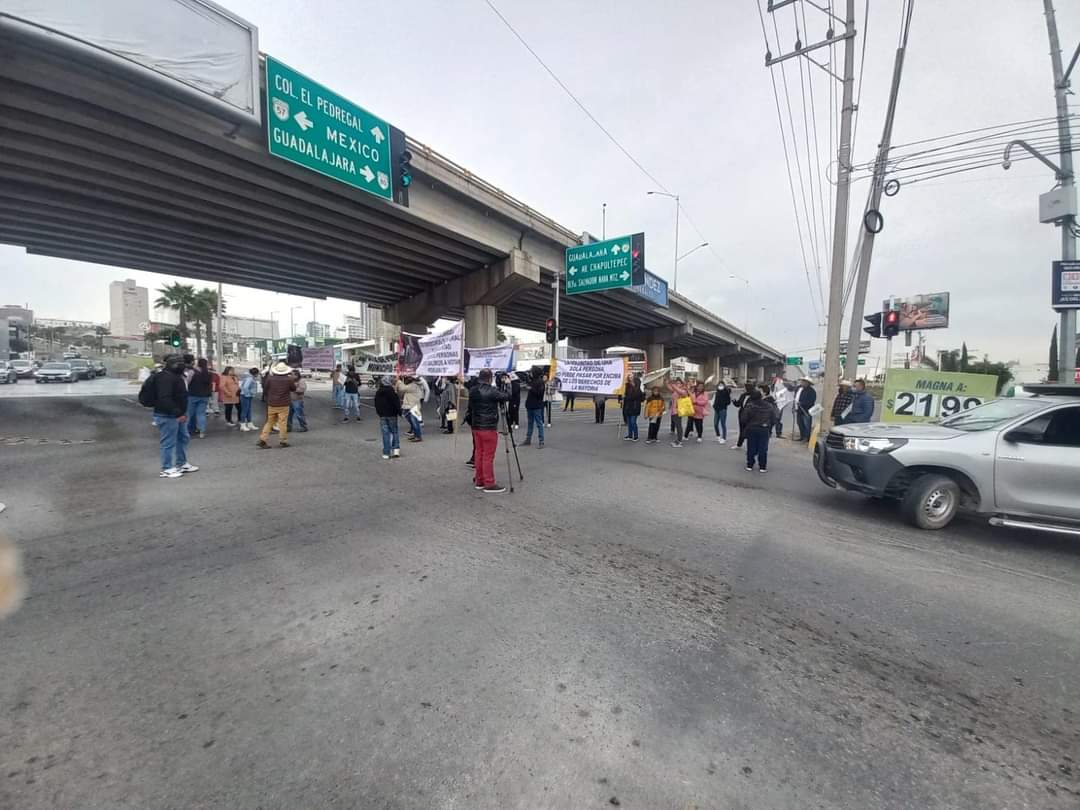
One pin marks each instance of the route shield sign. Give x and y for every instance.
(316, 128)
(605, 265)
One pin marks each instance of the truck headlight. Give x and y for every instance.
(863, 445)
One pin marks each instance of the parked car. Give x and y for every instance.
(83, 368)
(24, 368)
(8, 374)
(56, 372)
(99, 369)
(70, 355)
(1014, 460)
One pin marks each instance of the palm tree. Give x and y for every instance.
(100, 332)
(179, 297)
(204, 312)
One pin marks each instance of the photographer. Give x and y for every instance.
(484, 403)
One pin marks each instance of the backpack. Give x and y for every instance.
(149, 390)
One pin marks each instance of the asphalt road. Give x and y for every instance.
(635, 626)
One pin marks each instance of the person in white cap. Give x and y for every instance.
(278, 386)
(805, 398)
(842, 402)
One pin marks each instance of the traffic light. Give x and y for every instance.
(551, 331)
(891, 324)
(874, 329)
(637, 259)
(405, 169)
(174, 339)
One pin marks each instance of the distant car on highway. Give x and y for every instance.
(8, 374)
(56, 372)
(83, 368)
(24, 368)
(99, 369)
(70, 355)
(1014, 460)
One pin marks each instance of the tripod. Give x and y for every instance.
(509, 433)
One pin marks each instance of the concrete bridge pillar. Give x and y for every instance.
(741, 371)
(481, 321)
(759, 373)
(654, 356)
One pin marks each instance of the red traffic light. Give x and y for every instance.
(550, 330)
(891, 324)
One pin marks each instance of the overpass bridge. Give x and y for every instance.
(98, 164)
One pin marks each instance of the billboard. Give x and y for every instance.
(1065, 289)
(929, 311)
(922, 395)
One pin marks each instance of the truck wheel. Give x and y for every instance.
(931, 501)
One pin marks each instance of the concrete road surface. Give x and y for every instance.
(635, 627)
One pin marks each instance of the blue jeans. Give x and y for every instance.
(414, 423)
(352, 405)
(631, 427)
(535, 417)
(196, 413)
(390, 436)
(296, 411)
(245, 409)
(757, 447)
(719, 422)
(174, 441)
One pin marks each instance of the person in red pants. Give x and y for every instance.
(484, 402)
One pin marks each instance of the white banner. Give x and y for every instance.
(605, 375)
(437, 355)
(321, 358)
(781, 394)
(376, 364)
(496, 358)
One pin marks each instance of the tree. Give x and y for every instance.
(963, 356)
(950, 360)
(500, 335)
(203, 311)
(999, 370)
(1053, 374)
(180, 297)
(99, 333)
(123, 347)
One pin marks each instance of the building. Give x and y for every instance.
(235, 327)
(129, 308)
(23, 317)
(318, 330)
(71, 326)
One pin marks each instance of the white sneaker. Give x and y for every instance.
(735, 447)
(719, 440)
(699, 440)
(172, 472)
(395, 453)
(188, 468)
(385, 456)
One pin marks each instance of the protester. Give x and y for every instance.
(278, 386)
(599, 406)
(170, 416)
(470, 385)
(654, 412)
(842, 404)
(448, 402)
(536, 402)
(805, 398)
(425, 392)
(513, 410)
(351, 395)
(189, 370)
(701, 404)
(569, 399)
(720, 405)
(484, 403)
(767, 395)
(756, 420)
(199, 389)
(862, 405)
(552, 389)
(740, 403)
(249, 387)
(229, 388)
(215, 393)
(337, 387)
(388, 409)
(681, 407)
(296, 405)
(410, 392)
(631, 406)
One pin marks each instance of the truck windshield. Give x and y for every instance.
(993, 414)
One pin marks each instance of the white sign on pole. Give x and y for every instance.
(496, 358)
(437, 355)
(604, 375)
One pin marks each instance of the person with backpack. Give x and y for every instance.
(200, 387)
(166, 393)
(351, 401)
(756, 420)
(388, 409)
(249, 389)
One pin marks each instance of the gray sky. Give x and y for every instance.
(683, 86)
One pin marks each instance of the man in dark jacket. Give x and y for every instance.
(278, 386)
(534, 407)
(862, 405)
(756, 420)
(720, 404)
(631, 406)
(844, 397)
(388, 409)
(484, 401)
(513, 410)
(200, 387)
(805, 398)
(170, 416)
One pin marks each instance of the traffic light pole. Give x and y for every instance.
(557, 284)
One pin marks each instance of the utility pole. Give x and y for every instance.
(603, 226)
(1067, 328)
(218, 357)
(555, 313)
(872, 221)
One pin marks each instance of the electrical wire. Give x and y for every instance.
(817, 153)
(858, 94)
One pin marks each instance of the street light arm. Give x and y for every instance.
(699, 247)
(1072, 64)
(1006, 163)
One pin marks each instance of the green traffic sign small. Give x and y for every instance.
(794, 361)
(314, 127)
(603, 265)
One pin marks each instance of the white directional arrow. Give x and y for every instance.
(573, 271)
(367, 173)
(615, 249)
(304, 122)
(624, 275)
(376, 133)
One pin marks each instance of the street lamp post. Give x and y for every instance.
(675, 253)
(292, 323)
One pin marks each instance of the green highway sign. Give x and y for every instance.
(605, 265)
(862, 360)
(314, 127)
(794, 361)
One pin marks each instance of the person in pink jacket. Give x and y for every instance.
(701, 405)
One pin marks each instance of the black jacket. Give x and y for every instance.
(758, 413)
(201, 384)
(806, 398)
(743, 398)
(631, 400)
(172, 394)
(515, 393)
(722, 398)
(387, 402)
(535, 399)
(484, 406)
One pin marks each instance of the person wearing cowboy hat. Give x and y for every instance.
(278, 386)
(805, 398)
(842, 404)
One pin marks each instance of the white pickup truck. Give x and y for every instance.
(1016, 461)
